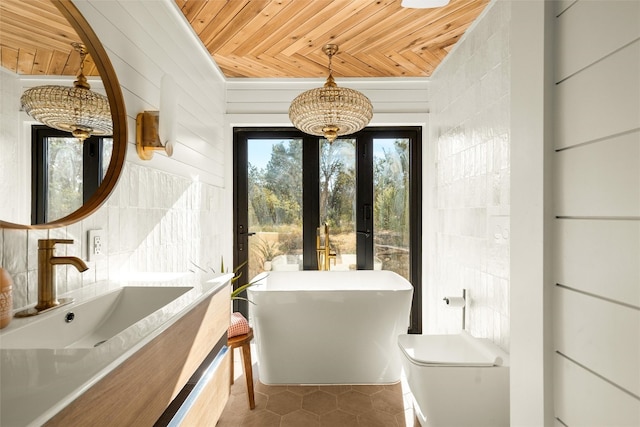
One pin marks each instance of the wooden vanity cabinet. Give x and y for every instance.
(139, 391)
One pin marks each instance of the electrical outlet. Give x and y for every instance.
(95, 245)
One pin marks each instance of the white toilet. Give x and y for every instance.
(456, 380)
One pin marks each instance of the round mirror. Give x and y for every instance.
(36, 39)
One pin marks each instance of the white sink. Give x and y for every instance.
(91, 323)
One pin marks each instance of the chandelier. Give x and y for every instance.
(74, 109)
(330, 111)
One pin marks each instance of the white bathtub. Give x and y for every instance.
(329, 327)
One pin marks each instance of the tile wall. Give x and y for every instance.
(469, 232)
(153, 222)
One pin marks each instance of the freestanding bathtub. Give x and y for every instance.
(329, 327)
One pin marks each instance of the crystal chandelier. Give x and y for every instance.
(74, 109)
(330, 111)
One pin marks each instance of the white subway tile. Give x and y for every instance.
(470, 107)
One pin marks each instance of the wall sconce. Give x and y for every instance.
(152, 133)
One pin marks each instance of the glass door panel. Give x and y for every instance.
(64, 176)
(274, 175)
(66, 171)
(391, 212)
(337, 203)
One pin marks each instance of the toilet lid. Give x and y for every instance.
(449, 350)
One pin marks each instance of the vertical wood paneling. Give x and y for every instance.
(583, 40)
(600, 101)
(600, 179)
(581, 396)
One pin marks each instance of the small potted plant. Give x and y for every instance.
(267, 251)
(239, 324)
(237, 274)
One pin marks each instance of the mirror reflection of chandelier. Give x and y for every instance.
(75, 109)
(330, 111)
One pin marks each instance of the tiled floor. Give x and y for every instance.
(307, 406)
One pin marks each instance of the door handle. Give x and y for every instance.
(241, 231)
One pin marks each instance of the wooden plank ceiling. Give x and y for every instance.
(35, 39)
(264, 38)
(284, 38)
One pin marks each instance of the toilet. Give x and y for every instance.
(456, 380)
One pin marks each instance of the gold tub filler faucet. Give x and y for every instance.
(47, 292)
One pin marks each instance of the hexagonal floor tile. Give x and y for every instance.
(377, 419)
(269, 389)
(302, 389)
(300, 418)
(284, 403)
(368, 389)
(338, 418)
(388, 401)
(261, 419)
(336, 389)
(319, 402)
(355, 402)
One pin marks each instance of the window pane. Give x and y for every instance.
(64, 175)
(338, 198)
(391, 204)
(107, 150)
(275, 204)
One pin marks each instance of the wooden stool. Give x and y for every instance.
(244, 341)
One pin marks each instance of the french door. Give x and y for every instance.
(366, 188)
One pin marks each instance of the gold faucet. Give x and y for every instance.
(47, 291)
(324, 253)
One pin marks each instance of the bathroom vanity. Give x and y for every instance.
(168, 365)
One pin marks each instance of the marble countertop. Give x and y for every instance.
(35, 384)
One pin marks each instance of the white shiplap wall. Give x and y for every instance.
(141, 55)
(273, 96)
(596, 245)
